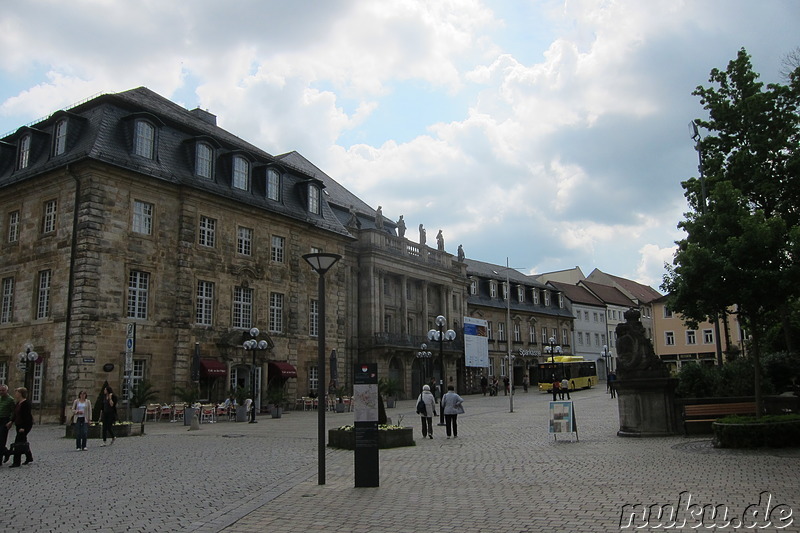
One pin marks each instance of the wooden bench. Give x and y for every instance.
(709, 412)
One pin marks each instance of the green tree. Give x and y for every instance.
(742, 239)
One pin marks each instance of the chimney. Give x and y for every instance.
(204, 115)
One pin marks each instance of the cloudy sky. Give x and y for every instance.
(553, 133)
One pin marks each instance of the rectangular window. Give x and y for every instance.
(242, 307)
(145, 136)
(203, 161)
(596, 317)
(545, 339)
(241, 171)
(708, 336)
(517, 333)
(521, 294)
(501, 331)
(244, 241)
(580, 338)
(207, 232)
(313, 379)
(43, 296)
(38, 378)
(489, 330)
(597, 339)
(277, 248)
(493, 289)
(7, 309)
(505, 291)
(204, 308)
(313, 318)
(387, 323)
(13, 226)
(535, 297)
(138, 289)
(532, 333)
(313, 199)
(667, 312)
(669, 338)
(142, 217)
(565, 337)
(547, 298)
(273, 185)
(473, 287)
(560, 301)
(60, 137)
(137, 375)
(4, 372)
(691, 337)
(275, 312)
(586, 315)
(49, 216)
(24, 152)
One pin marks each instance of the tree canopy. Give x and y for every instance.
(742, 235)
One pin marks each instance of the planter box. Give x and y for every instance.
(393, 438)
(756, 434)
(96, 432)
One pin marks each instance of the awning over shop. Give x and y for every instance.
(281, 369)
(211, 368)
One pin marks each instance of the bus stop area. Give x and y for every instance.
(504, 473)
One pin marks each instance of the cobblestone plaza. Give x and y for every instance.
(504, 473)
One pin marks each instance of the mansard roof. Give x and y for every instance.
(100, 129)
(577, 294)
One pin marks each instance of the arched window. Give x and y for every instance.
(144, 139)
(24, 152)
(203, 160)
(313, 199)
(241, 172)
(60, 137)
(273, 185)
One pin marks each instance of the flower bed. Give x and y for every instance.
(388, 437)
(771, 431)
(121, 429)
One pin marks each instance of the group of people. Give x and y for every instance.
(15, 412)
(451, 406)
(561, 389)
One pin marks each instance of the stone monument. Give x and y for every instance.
(645, 390)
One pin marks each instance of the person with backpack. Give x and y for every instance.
(426, 409)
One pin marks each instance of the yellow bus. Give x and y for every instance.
(580, 373)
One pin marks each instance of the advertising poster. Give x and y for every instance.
(562, 418)
(476, 342)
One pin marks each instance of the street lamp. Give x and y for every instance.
(425, 355)
(553, 349)
(27, 357)
(441, 335)
(252, 345)
(607, 357)
(321, 263)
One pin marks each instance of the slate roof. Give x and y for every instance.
(608, 294)
(100, 129)
(577, 294)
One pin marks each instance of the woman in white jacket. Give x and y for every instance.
(430, 411)
(451, 407)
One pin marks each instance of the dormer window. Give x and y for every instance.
(521, 294)
(273, 185)
(144, 139)
(203, 162)
(241, 172)
(473, 287)
(493, 289)
(560, 301)
(535, 297)
(505, 291)
(24, 152)
(547, 298)
(313, 199)
(60, 137)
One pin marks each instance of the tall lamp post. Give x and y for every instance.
(425, 355)
(607, 358)
(252, 345)
(439, 334)
(321, 263)
(27, 358)
(552, 349)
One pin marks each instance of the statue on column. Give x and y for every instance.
(460, 253)
(635, 355)
(401, 227)
(440, 241)
(421, 235)
(379, 218)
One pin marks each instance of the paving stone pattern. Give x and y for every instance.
(504, 473)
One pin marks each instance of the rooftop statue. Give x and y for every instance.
(401, 227)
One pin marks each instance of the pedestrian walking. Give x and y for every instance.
(525, 383)
(7, 405)
(428, 410)
(109, 415)
(23, 421)
(565, 388)
(556, 387)
(484, 384)
(81, 416)
(612, 384)
(505, 385)
(451, 407)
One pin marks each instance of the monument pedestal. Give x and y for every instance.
(647, 407)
